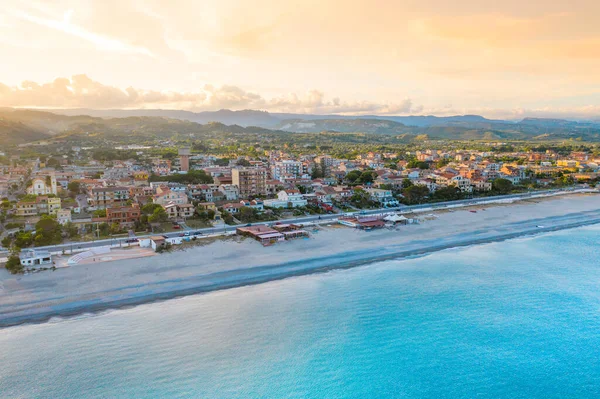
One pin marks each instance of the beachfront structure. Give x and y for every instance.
(250, 181)
(287, 199)
(264, 234)
(365, 223)
(35, 258)
(267, 235)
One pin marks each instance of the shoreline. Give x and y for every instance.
(35, 312)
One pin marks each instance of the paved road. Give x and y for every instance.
(68, 247)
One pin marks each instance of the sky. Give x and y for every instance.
(502, 59)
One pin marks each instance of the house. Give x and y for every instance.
(157, 242)
(124, 215)
(287, 199)
(106, 197)
(176, 212)
(481, 184)
(254, 204)
(233, 207)
(201, 192)
(463, 183)
(35, 258)
(49, 205)
(26, 208)
(427, 182)
(63, 216)
(42, 204)
(230, 191)
(384, 197)
(165, 196)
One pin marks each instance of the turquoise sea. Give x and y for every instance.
(514, 319)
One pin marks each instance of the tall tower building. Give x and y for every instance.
(250, 181)
(184, 159)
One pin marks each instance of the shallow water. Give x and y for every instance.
(513, 319)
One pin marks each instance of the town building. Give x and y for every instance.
(287, 199)
(45, 185)
(184, 159)
(251, 182)
(63, 216)
(123, 215)
(107, 197)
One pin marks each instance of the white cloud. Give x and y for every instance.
(102, 42)
(82, 92)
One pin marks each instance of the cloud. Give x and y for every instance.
(65, 25)
(82, 92)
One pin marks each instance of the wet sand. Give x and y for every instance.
(234, 262)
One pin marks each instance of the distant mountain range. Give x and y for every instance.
(267, 119)
(24, 125)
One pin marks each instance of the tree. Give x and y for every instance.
(368, 176)
(417, 164)
(448, 193)
(47, 231)
(6, 241)
(353, 176)
(74, 187)
(361, 199)
(100, 213)
(503, 186)
(103, 229)
(13, 264)
(406, 183)
(243, 162)
(70, 230)
(415, 194)
(191, 177)
(211, 214)
(149, 208)
(247, 214)
(442, 162)
(23, 239)
(317, 172)
(158, 216)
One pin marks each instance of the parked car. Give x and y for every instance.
(131, 240)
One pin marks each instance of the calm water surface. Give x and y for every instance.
(517, 319)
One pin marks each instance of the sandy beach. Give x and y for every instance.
(234, 262)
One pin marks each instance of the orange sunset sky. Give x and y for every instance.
(505, 59)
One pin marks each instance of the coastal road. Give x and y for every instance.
(121, 242)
